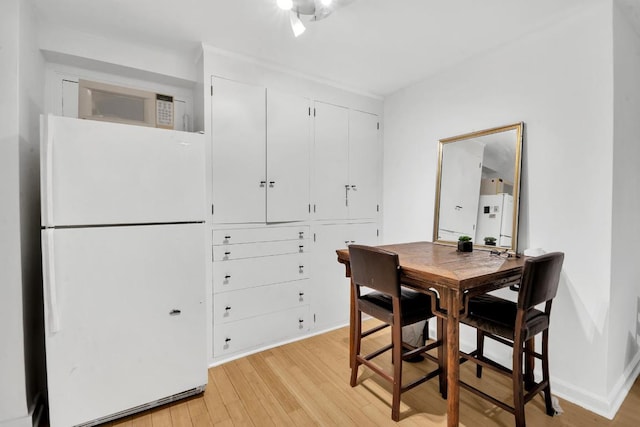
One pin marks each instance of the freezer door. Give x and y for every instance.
(108, 173)
(125, 317)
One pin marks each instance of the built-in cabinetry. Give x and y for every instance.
(288, 175)
(260, 154)
(260, 285)
(346, 163)
(331, 287)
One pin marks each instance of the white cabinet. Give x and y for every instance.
(347, 165)
(288, 149)
(331, 287)
(260, 155)
(364, 165)
(331, 161)
(238, 151)
(260, 287)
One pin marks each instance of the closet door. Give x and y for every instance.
(288, 137)
(364, 165)
(238, 152)
(331, 160)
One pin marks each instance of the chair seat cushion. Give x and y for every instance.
(416, 306)
(498, 316)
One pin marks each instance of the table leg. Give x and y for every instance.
(453, 358)
(442, 355)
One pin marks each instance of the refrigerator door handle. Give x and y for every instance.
(49, 279)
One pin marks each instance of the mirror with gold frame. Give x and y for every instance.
(478, 188)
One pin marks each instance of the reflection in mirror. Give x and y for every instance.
(478, 185)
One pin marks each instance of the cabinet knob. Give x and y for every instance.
(227, 277)
(301, 234)
(227, 308)
(353, 187)
(301, 294)
(263, 183)
(227, 339)
(272, 184)
(347, 187)
(301, 321)
(301, 248)
(175, 312)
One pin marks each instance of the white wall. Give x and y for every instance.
(559, 82)
(624, 335)
(31, 105)
(21, 339)
(13, 402)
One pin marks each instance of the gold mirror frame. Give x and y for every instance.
(461, 173)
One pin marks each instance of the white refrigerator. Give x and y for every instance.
(124, 253)
(495, 218)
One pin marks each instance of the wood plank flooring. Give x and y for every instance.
(306, 383)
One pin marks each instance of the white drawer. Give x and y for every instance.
(267, 234)
(249, 272)
(243, 335)
(237, 305)
(250, 250)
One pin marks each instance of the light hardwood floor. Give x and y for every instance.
(307, 383)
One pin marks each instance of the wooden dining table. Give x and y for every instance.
(453, 277)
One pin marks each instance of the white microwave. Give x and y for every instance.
(105, 102)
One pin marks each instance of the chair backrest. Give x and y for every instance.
(540, 278)
(375, 268)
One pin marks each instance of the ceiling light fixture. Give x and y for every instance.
(296, 24)
(311, 10)
(285, 4)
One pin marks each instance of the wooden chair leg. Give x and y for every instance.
(357, 339)
(480, 350)
(397, 370)
(518, 391)
(529, 364)
(545, 374)
(425, 332)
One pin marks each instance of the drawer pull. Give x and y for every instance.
(301, 234)
(227, 277)
(301, 247)
(174, 312)
(227, 308)
(227, 339)
(263, 183)
(300, 294)
(301, 268)
(301, 321)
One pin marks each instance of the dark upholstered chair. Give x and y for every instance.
(394, 305)
(516, 325)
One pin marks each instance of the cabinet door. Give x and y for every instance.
(331, 290)
(364, 165)
(239, 152)
(330, 161)
(288, 134)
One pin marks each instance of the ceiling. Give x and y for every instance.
(372, 46)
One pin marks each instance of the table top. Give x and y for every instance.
(425, 264)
